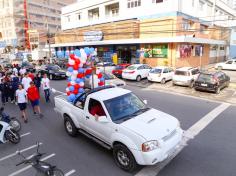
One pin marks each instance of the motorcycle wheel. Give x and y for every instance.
(15, 124)
(57, 172)
(12, 136)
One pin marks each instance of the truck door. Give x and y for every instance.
(94, 109)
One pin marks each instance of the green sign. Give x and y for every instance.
(160, 51)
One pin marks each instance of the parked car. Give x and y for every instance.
(136, 72)
(212, 81)
(53, 72)
(161, 74)
(106, 66)
(228, 65)
(28, 66)
(119, 69)
(134, 132)
(110, 79)
(185, 76)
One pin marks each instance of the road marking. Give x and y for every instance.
(23, 150)
(28, 167)
(26, 134)
(70, 172)
(193, 131)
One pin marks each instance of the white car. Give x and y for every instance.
(136, 72)
(107, 67)
(118, 120)
(228, 65)
(110, 80)
(185, 76)
(161, 74)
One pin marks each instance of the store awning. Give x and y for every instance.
(178, 39)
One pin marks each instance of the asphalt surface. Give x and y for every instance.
(211, 153)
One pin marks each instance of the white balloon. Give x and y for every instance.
(68, 74)
(81, 65)
(67, 89)
(71, 62)
(75, 72)
(81, 84)
(98, 71)
(73, 77)
(73, 83)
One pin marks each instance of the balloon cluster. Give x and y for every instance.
(77, 74)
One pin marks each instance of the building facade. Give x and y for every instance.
(25, 23)
(158, 32)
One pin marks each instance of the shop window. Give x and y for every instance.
(78, 16)
(222, 48)
(133, 3)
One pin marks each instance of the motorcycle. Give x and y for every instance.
(12, 121)
(42, 168)
(7, 133)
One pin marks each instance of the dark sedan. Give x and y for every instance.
(212, 81)
(53, 72)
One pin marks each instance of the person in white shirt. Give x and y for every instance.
(26, 81)
(15, 71)
(45, 82)
(21, 97)
(22, 71)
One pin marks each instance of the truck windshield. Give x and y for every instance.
(124, 107)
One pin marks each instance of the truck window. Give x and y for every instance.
(79, 102)
(95, 108)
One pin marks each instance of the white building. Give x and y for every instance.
(85, 13)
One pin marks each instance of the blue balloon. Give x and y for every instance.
(70, 69)
(81, 90)
(81, 70)
(102, 79)
(71, 97)
(78, 95)
(91, 50)
(72, 51)
(78, 80)
(77, 53)
(69, 79)
(88, 76)
(71, 88)
(87, 50)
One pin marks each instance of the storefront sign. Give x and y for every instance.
(185, 51)
(160, 51)
(93, 36)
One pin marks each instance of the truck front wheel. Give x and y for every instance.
(70, 127)
(124, 158)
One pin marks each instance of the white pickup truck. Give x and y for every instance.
(118, 120)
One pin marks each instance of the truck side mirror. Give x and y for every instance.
(103, 119)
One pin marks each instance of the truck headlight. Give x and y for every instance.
(149, 146)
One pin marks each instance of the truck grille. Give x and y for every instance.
(170, 135)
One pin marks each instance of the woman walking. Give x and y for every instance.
(33, 96)
(37, 81)
(46, 87)
(21, 96)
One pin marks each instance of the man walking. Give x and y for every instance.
(46, 87)
(26, 81)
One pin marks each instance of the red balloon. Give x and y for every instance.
(77, 86)
(68, 93)
(80, 75)
(76, 67)
(72, 56)
(99, 75)
(69, 84)
(68, 65)
(88, 72)
(101, 83)
(77, 61)
(76, 91)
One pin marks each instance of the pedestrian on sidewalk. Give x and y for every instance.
(46, 87)
(21, 96)
(26, 81)
(33, 96)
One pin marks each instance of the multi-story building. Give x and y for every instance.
(26, 23)
(177, 33)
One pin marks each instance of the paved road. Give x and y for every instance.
(212, 152)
